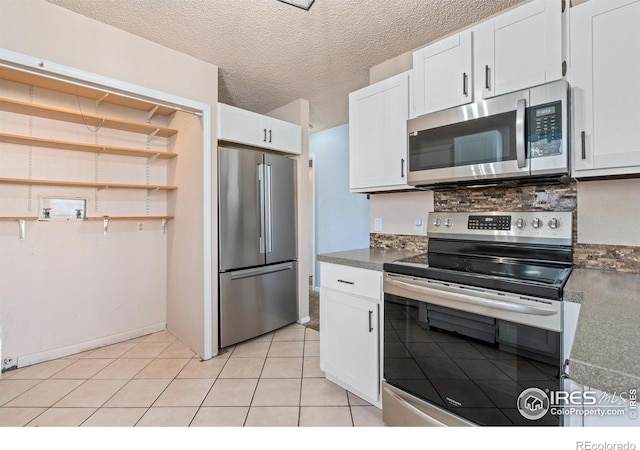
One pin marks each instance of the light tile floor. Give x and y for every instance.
(155, 380)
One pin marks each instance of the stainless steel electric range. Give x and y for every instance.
(477, 320)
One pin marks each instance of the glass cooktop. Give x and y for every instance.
(523, 277)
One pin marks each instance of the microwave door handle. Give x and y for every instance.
(520, 137)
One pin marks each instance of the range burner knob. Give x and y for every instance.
(536, 223)
(437, 222)
(521, 224)
(554, 224)
(448, 222)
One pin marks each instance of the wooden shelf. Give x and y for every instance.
(82, 147)
(6, 219)
(85, 92)
(131, 218)
(93, 120)
(102, 185)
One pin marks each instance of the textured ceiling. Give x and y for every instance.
(270, 53)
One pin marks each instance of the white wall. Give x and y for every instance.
(42, 30)
(341, 217)
(398, 212)
(609, 212)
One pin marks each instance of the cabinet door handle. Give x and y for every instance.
(370, 321)
(486, 78)
(464, 84)
(264, 136)
(583, 144)
(401, 167)
(346, 282)
(269, 136)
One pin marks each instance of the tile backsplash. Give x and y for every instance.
(526, 197)
(534, 197)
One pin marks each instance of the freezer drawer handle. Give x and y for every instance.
(346, 282)
(248, 273)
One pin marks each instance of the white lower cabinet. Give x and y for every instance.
(590, 407)
(350, 310)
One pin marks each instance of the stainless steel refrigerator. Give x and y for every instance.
(257, 244)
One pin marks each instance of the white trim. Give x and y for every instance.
(314, 262)
(78, 77)
(88, 345)
(304, 320)
(207, 240)
(70, 75)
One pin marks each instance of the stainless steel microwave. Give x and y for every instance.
(518, 135)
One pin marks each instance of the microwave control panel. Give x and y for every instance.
(545, 130)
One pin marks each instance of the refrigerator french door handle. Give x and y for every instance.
(268, 219)
(261, 200)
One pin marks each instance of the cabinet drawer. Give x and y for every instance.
(363, 282)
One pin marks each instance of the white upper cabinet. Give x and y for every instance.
(518, 49)
(378, 135)
(442, 74)
(249, 128)
(605, 75)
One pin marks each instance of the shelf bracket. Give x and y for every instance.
(152, 112)
(152, 158)
(21, 228)
(105, 226)
(164, 226)
(151, 135)
(101, 99)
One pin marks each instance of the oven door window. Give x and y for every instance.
(474, 366)
(479, 141)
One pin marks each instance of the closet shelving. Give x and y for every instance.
(91, 120)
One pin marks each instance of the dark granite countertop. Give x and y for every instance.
(365, 258)
(606, 350)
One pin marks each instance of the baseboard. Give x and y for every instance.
(23, 361)
(304, 320)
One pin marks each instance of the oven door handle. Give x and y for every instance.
(488, 303)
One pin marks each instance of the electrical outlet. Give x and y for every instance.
(8, 363)
(377, 224)
(140, 227)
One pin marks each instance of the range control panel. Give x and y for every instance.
(519, 226)
(489, 223)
